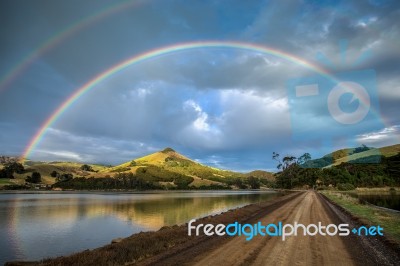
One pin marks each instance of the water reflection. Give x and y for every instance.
(34, 226)
(389, 200)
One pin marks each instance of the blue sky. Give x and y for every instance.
(224, 107)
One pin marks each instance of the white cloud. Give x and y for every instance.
(386, 136)
(60, 155)
(253, 116)
(64, 145)
(142, 92)
(246, 119)
(364, 23)
(389, 89)
(200, 123)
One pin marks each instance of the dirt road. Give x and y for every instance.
(306, 208)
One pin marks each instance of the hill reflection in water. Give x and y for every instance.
(34, 226)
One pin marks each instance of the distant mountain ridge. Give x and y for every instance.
(361, 154)
(168, 169)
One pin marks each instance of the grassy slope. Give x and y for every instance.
(262, 174)
(45, 168)
(390, 150)
(369, 215)
(5, 182)
(167, 159)
(170, 160)
(159, 159)
(385, 151)
(341, 156)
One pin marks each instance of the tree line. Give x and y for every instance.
(294, 173)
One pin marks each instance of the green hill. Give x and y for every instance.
(346, 169)
(169, 161)
(262, 175)
(166, 169)
(47, 168)
(361, 154)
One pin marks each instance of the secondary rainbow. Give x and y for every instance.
(160, 52)
(61, 36)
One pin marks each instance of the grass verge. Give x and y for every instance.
(369, 215)
(5, 182)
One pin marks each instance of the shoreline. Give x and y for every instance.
(135, 191)
(360, 190)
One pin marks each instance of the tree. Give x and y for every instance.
(6, 173)
(362, 148)
(54, 174)
(285, 162)
(65, 177)
(254, 182)
(275, 156)
(289, 166)
(167, 150)
(11, 168)
(35, 178)
(238, 182)
(182, 182)
(15, 167)
(304, 158)
(86, 167)
(288, 161)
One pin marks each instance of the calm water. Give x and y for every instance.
(35, 226)
(387, 200)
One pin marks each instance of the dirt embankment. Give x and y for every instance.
(172, 245)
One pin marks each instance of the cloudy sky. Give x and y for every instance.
(225, 107)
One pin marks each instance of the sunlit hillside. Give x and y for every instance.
(360, 154)
(166, 168)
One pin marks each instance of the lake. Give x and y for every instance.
(40, 225)
(390, 200)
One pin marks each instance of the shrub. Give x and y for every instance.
(87, 168)
(6, 173)
(345, 186)
(16, 167)
(65, 177)
(166, 150)
(11, 168)
(182, 182)
(54, 174)
(253, 182)
(35, 178)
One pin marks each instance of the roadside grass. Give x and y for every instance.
(363, 190)
(5, 182)
(390, 221)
